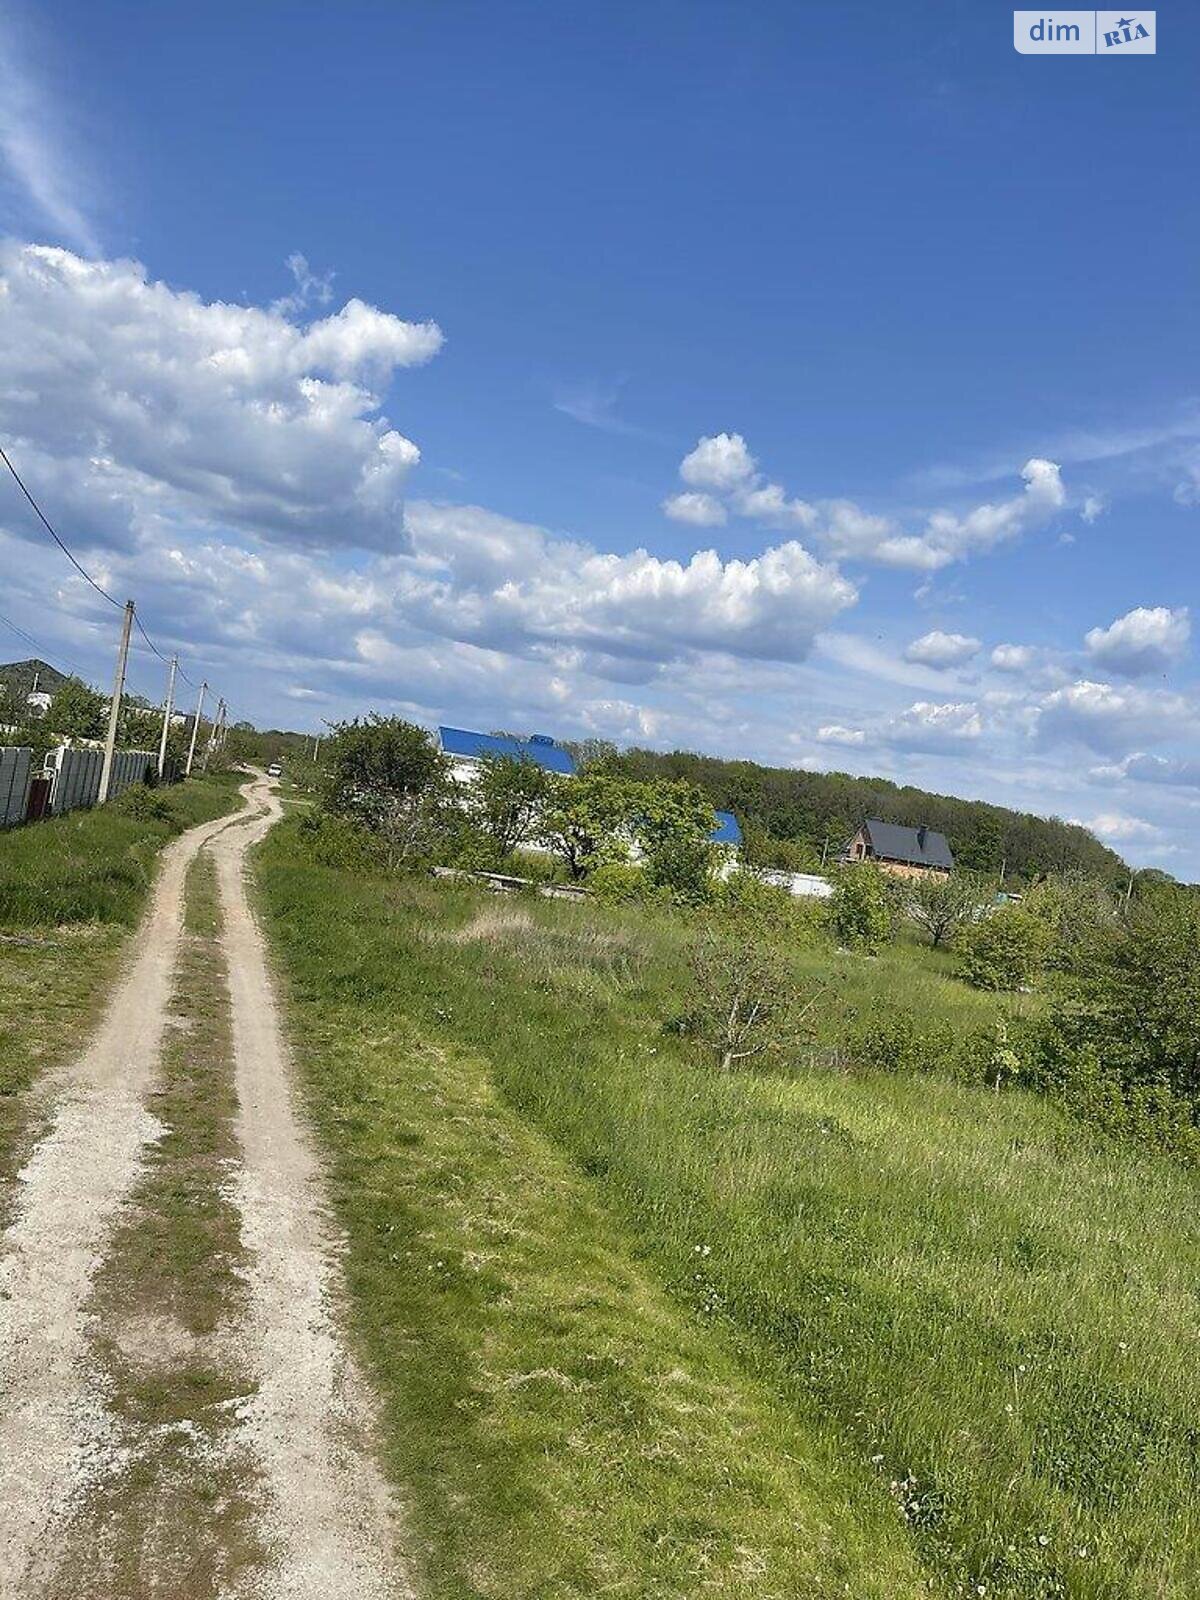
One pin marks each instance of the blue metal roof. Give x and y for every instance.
(540, 748)
(727, 830)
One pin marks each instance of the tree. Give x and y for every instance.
(1006, 949)
(76, 712)
(389, 776)
(860, 909)
(673, 823)
(744, 1000)
(586, 820)
(941, 904)
(508, 798)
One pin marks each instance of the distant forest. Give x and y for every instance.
(791, 817)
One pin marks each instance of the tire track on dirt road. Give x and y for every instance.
(71, 1188)
(332, 1529)
(305, 1430)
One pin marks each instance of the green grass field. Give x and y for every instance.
(957, 1334)
(71, 889)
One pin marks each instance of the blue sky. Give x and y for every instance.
(811, 384)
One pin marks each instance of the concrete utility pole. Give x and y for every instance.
(168, 707)
(114, 710)
(213, 733)
(191, 756)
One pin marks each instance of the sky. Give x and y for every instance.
(814, 385)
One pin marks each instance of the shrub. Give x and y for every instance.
(750, 904)
(1006, 949)
(389, 776)
(895, 1042)
(620, 883)
(143, 804)
(333, 841)
(860, 909)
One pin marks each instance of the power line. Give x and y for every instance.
(81, 569)
(45, 521)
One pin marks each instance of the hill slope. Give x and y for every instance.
(17, 678)
(812, 807)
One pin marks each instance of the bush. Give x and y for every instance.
(765, 910)
(340, 842)
(620, 883)
(896, 1042)
(1006, 950)
(141, 803)
(861, 909)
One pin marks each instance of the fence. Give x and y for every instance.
(15, 764)
(74, 778)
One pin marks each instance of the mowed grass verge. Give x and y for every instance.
(557, 1423)
(997, 1314)
(71, 889)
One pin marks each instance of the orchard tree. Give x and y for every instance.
(389, 776)
(508, 799)
(586, 821)
(860, 909)
(673, 823)
(941, 904)
(76, 712)
(1007, 949)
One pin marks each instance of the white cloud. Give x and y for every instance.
(1014, 657)
(1094, 505)
(140, 406)
(1148, 639)
(699, 510)
(721, 463)
(929, 726)
(476, 576)
(834, 733)
(1115, 827)
(31, 148)
(312, 288)
(1111, 720)
(723, 468)
(1141, 767)
(941, 650)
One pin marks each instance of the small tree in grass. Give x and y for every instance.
(941, 904)
(673, 822)
(584, 820)
(860, 909)
(508, 798)
(1007, 949)
(744, 1001)
(389, 776)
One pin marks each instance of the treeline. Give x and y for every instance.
(790, 818)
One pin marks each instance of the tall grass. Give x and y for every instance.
(997, 1314)
(97, 865)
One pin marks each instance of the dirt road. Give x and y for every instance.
(326, 1524)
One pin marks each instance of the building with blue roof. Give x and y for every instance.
(727, 830)
(467, 751)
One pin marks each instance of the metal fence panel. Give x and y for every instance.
(15, 764)
(129, 767)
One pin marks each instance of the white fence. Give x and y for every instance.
(74, 778)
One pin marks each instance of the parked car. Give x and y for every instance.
(274, 770)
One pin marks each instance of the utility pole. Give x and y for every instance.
(168, 707)
(213, 732)
(191, 755)
(114, 710)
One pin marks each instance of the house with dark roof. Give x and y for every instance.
(908, 852)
